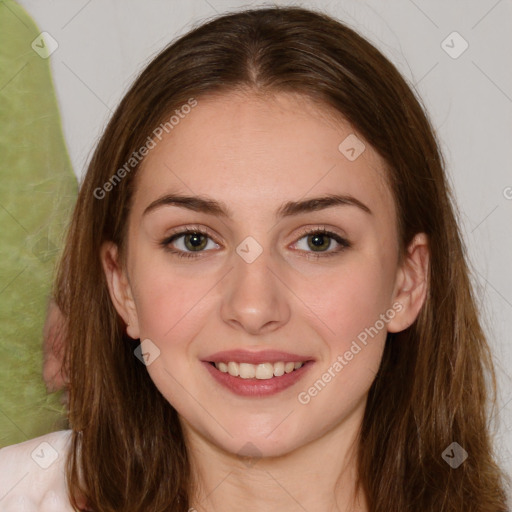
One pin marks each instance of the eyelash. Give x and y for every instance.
(344, 244)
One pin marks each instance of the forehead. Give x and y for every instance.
(255, 152)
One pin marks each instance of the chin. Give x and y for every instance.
(247, 441)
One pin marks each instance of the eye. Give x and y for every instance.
(319, 240)
(193, 241)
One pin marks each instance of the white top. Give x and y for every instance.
(32, 476)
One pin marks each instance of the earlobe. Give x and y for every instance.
(119, 288)
(411, 284)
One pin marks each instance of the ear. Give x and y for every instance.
(119, 288)
(411, 284)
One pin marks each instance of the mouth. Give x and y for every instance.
(260, 379)
(261, 371)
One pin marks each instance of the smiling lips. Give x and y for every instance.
(256, 373)
(260, 371)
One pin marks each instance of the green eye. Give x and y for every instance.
(192, 242)
(195, 241)
(320, 240)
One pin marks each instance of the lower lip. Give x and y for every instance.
(257, 387)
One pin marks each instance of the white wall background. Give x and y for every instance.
(104, 44)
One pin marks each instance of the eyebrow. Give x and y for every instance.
(288, 209)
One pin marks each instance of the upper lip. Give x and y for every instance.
(262, 356)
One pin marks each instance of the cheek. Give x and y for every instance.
(169, 309)
(163, 294)
(352, 299)
(354, 309)
(166, 303)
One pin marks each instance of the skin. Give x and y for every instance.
(253, 154)
(53, 345)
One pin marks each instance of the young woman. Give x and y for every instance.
(266, 296)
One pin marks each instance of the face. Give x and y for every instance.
(294, 295)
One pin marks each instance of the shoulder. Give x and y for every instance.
(32, 474)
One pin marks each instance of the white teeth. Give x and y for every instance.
(265, 371)
(233, 369)
(278, 369)
(262, 371)
(247, 371)
(289, 367)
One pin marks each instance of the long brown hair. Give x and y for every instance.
(128, 451)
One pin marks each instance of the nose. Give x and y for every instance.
(254, 298)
